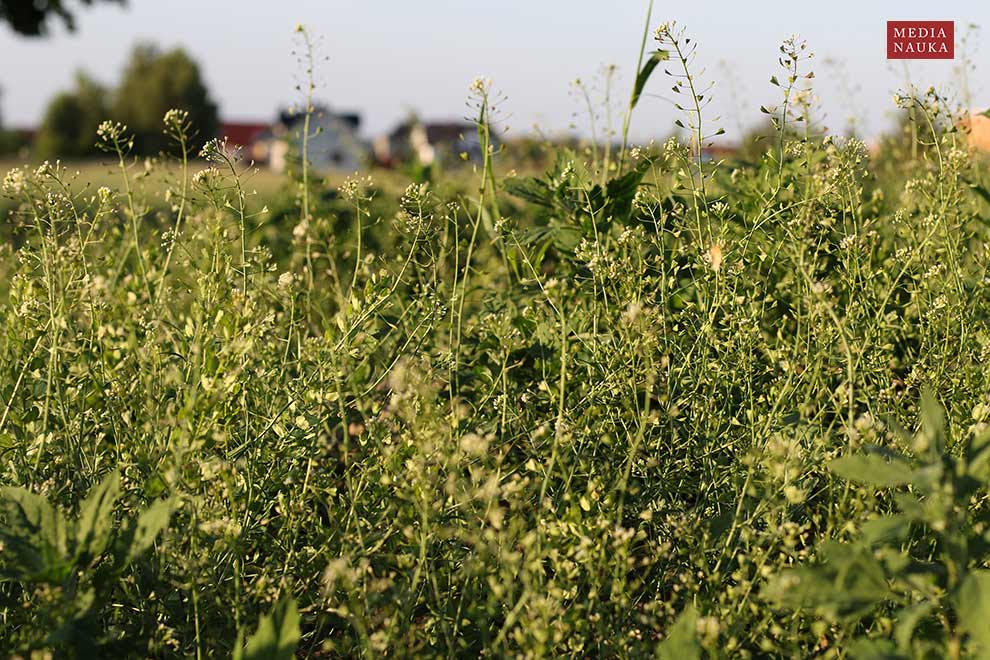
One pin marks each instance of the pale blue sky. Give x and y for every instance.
(389, 56)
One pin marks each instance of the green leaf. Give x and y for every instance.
(979, 189)
(872, 469)
(873, 649)
(620, 192)
(644, 75)
(848, 580)
(973, 603)
(95, 524)
(682, 642)
(907, 620)
(276, 637)
(886, 529)
(531, 189)
(978, 454)
(933, 422)
(35, 537)
(149, 525)
(137, 534)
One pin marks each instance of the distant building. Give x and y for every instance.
(251, 138)
(427, 143)
(718, 152)
(977, 129)
(334, 143)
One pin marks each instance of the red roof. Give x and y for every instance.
(242, 134)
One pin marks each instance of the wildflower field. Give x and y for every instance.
(641, 403)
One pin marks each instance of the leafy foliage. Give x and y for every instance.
(623, 407)
(276, 637)
(936, 587)
(154, 82)
(78, 562)
(71, 119)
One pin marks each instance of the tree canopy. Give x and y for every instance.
(33, 17)
(153, 83)
(68, 129)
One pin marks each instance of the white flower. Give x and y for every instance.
(110, 131)
(176, 117)
(663, 30)
(481, 85)
(14, 182)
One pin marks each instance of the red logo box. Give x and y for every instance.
(921, 40)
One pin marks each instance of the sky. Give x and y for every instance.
(387, 58)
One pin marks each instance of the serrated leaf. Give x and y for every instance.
(35, 537)
(530, 189)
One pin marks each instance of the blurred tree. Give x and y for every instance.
(30, 17)
(10, 141)
(68, 129)
(153, 83)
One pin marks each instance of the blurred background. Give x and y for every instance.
(392, 77)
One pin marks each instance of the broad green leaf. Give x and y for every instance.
(907, 620)
(886, 529)
(621, 191)
(933, 422)
(873, 470)
(276, 637)
(95, 524)
(848, 580)
(973, 603)
(530, 189)
(873, 649)
(35, 537)
(796, 587)
(682, 642)
(978, 454)
(149, 525)
(137, 534)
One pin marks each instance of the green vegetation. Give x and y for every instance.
(641, 404)
(71, 119)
